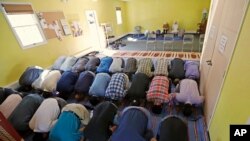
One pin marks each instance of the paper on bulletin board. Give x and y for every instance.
(76, 29)
(65, 26)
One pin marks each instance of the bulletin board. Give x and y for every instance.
(48, 21)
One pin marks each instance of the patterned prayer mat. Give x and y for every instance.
(159, 54)
(7, 132)
(197, 129)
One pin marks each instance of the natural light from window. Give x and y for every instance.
(118, 15)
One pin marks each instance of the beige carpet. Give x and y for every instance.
(158, 54)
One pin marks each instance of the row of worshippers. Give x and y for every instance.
(33, 112)
(80, 78)
(116, 86)
(55, 120)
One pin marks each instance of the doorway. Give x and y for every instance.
(96, 32)
(218, 48)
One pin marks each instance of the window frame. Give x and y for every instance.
(37, 24)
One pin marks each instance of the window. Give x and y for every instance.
(118, 15)
(24, 23)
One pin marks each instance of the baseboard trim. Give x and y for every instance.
(13, 85)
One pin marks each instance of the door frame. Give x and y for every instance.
(229, 59)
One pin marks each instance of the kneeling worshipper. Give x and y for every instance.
(192, 70)
(100, 125)
(161, 67)
(189, 95)
(104, 65)
(158, 93)
(133, 125)
(45, 117)
(117, 65)
(139, 87)
(145, 66)
(70, 124)
(99, 90)
(9, 104)
(177, 71)
(83, 84)
(66, 84)
(173, 128)
(130, 67)
(92, 63)
(117, 87)
(24, 111)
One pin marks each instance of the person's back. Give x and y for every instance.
(37, 84)
(45, 116)
(161, 67)
(139, 86)
(117, 65)
(192, 70)
(58, 62)
(177, 69)
(158, 90)
(144, 66)
(24, 111)
(68, 126)
(104, 65)
(65, 85)
(99, 90)
(92, 63)
(79, 66)
(189, 95)
(130, 66)
(9, 104)
(28, 77)
(98, 129)
(68, 63)
(83, 83)
(133, 126)
(173, 129)
(117, 86)
(50, 81)
(189, 92)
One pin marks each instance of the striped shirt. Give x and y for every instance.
(161, 67)
(145, 66)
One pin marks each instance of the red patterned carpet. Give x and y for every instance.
(159, 54)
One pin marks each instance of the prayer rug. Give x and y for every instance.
(159, 54)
